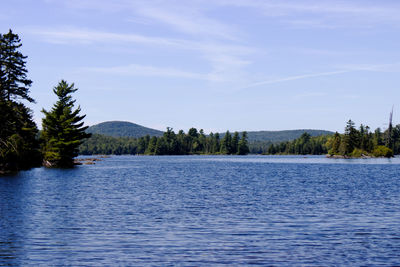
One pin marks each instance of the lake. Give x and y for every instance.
(204, 210)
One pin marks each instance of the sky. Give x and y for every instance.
(217, 65)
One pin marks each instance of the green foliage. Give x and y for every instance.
(362, 142)
(351, 139)
(382, 151)
(122, 129)
(226, 143)
(19, 147)
(235, 143)
(13, 73)
(358, 153)
(334, 143)
(280, 136)
(243, 148)
(63, 130)
(170, 143)
(304, 145)
(128, 129)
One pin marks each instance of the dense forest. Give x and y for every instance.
(258, 141)
(362, 142)
(304, 145)
(170, 143)
(352, 143)
(122, 129)
(129, 129)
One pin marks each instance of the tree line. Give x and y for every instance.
(304, 145)
(352, 143)
(171, 143)
(21, 144)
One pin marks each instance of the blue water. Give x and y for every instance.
(204, 210)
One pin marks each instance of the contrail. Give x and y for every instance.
(298, 77)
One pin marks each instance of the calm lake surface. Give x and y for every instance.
(204, 210)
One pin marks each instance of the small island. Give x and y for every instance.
(353, 143)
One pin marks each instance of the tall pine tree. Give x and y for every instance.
(63, 129)
(243, 147)
(13, 73)
(19, 148)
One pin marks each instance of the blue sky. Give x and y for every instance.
(216, 65)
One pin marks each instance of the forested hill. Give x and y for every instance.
(129, 129)
(122, 129)
(281, 136)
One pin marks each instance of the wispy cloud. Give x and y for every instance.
(186, 17)
(214, 39)
(189, 20)
(324, 14)
(394, 67)
(192, 17)
(74, 36)
(143, 70)
(297, 77)
(225, 59)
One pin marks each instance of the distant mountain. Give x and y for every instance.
(281, 136)
(129, 129)
(122, 129)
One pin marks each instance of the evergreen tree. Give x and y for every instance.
(272, 149)
(378, 138)
(141, 145)
(181, 139)
(335, 144)
(235, 143)
(161, 146)
(350, 140)
(19, 148)
(172, 147)
(13, 73)
(243, 147)
(226, 143)
(63, 129)
(216, 146)
(202, 141)
(192, 137)
(151, 148)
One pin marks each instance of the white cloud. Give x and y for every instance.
(191, 16)
(73, 36)
(190, 20)
(324, 14)
(142, 70)
(225, 59)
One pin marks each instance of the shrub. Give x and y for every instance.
(382, 151)
(358, 153)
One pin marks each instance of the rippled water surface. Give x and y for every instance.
(204, 210)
